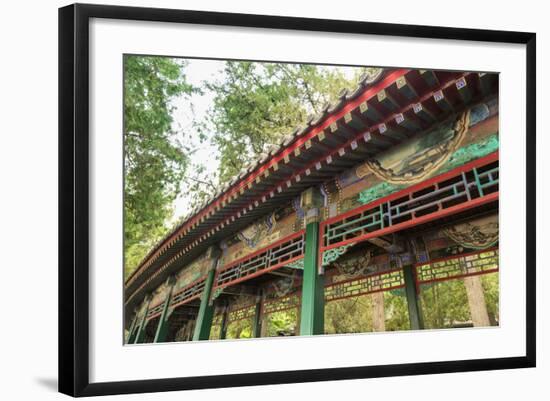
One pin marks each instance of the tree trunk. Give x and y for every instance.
(476, 300)
(378, 316)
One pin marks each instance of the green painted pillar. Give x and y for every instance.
(223, 326)
(312, 319)
(132, 329)
(162, 328)
(132, 337)
(257, 323)
(413, 300)
(140, 334)
(203, 324)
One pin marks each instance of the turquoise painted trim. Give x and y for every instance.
(471, 152)
(376, 192)
(333, 254)
(298, 264)
(460, 157)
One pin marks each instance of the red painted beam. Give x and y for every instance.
(265, 248)
(418, 220)
(258, 273)
(187, 300)
(414, 188)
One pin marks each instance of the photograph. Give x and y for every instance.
(274, 200)
(277, 199)
(256, 199)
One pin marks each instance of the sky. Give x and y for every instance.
(197, 72)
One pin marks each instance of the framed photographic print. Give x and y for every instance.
(250, 199)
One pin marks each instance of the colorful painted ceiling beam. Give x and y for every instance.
(455, 191)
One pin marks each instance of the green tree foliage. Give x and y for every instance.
(396, 310)
(215, 330)
(239, 329)
(445, 304)
(349, 315)
(257, 104)
(490, 283)
(154, 158)
(355, 315)
(283, 323)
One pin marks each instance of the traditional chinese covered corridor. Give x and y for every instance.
(380, 215)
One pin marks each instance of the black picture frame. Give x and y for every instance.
(74, 198)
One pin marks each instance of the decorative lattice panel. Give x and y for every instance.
(188, 293)
(281, 304)
(365, 285)
(468, 186)
(157, 310)
(246, 312)
(283, 252)
(458, 266)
